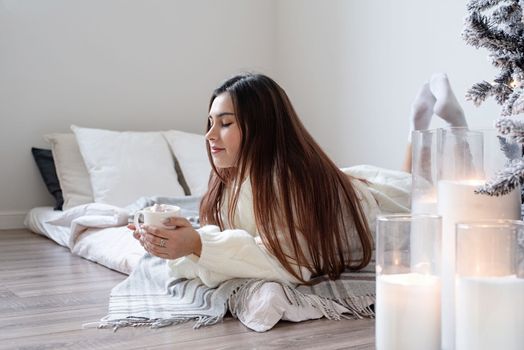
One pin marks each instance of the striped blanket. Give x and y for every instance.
(149, 297)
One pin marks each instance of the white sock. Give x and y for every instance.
(421, 110)
(446, 106)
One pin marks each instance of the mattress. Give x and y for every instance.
(36, 220)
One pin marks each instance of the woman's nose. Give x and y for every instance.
(211, 135)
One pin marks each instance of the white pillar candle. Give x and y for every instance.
(426, 205)
(490, 313)
(408, 312)
(457, 202)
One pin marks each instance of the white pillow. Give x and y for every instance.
(190, 151)
(71, 170)
(124, 166)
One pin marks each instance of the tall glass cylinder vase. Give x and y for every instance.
(425, 162)
(489, 311)
(461, 171)
(408, 286)
(461, 160)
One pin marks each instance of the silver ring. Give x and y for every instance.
(162, 242)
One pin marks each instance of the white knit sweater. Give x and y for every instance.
(240, 252)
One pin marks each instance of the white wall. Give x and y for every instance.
(119, 64)
(353, 68)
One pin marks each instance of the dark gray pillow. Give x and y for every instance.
(46, 164)
(181, 178)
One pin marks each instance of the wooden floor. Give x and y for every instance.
(47, 294)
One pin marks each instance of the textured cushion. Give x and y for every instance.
(71, 171)
(124, 166)
(46, 165)
(190, 150)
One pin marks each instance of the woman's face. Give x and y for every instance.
(224, 136)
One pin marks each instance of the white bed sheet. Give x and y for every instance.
(112, 247)
(36, 220)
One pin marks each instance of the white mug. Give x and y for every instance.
(155, 215)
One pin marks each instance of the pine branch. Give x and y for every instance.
(518, 104)
(501, 93)
(481, 5)
(505, 180)
(477, 27)
(511, 150)
(510, 14)
(518, 71)
(502, 87)
(501, 59)
(479, 92)
(512, 129)
(504, 77)
(480, 32)
(507, 108)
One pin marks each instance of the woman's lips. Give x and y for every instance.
(216, 150)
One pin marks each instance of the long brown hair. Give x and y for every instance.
(297, 189)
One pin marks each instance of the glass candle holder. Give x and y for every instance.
(408, 282)
(449, 164)
(489, 312)
(463, 168)
(424, 168)
(460, 172)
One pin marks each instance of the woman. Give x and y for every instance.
(276, 207)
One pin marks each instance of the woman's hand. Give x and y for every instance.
(169, 243)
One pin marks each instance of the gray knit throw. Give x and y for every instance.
(150, 297)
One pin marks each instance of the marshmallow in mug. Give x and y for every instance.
(156, 214)
(160, 208)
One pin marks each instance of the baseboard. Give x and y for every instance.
(12, 219)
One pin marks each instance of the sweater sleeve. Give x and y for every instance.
(231, 254)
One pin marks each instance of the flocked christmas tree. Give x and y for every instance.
(498, 25)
